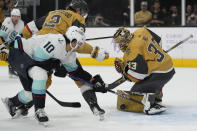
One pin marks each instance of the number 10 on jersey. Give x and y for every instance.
(49, 47)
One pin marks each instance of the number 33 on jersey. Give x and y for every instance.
(144, 56)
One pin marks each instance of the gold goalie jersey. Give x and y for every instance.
(144, 56)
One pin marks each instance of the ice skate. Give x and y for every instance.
(23, 109)
(155, 109)
(10, 107)
(151, 107)
(14, 111)
(97, 111)
(42, 117)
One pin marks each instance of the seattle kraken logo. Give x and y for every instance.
(13, 35)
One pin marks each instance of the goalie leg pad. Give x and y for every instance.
(127, 105)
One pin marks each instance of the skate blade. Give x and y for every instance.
(154, 112)
(97, 113)
(101, 117)
(13, 76)
(17, 114)
(45, 124)
(6, 106)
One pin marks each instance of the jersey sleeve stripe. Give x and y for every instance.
(136, 75)
(133, 77)
(28, 29)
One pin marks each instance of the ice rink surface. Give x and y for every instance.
(180, 97)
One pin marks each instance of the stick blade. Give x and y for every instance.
(70, 104)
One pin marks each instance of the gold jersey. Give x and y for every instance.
(58, 21)
(144, 56)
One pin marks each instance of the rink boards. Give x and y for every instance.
(183, 56)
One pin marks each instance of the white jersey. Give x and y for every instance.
(9, 31)
(44, 47)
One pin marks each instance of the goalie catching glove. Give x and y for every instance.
(120, 67)
(99, 54)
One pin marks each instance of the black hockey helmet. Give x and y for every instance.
(74, 4)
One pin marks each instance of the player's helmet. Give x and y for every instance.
(80, 4)
(15, 12)
(75, 33)
(122, 37)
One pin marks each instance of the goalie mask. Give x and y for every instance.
(122, 37)
(75, 33)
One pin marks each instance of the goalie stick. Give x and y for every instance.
(64, 104)
(124, 96)
(179, 43)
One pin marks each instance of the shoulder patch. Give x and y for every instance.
(60, 41)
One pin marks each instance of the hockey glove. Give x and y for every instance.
(4, 54)
(60, 71)
(99, 54)
(99, 84)
(119, 65)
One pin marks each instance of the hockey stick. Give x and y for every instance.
(111, 91)
(99, 38)
(108, 86)
(115, 83)
(124, 96)
(179, 43)
(65, 104)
